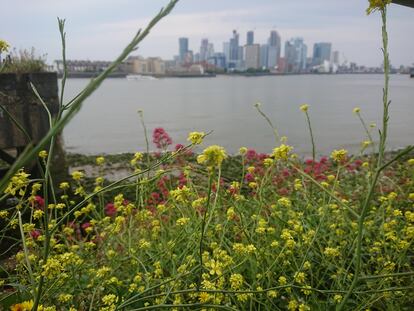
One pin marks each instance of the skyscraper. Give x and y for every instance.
(321, 52)
(274, 38)
(183, 49)
(204, 50)
(274, 48)
(250, 38)
(264, 55)
(295, 55)
(234, 46)
(226, 50)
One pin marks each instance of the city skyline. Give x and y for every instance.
(103, 34)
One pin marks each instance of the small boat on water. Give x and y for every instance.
(139, 77)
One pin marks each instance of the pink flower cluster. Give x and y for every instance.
(160, 138)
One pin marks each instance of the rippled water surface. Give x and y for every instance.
(108, 121)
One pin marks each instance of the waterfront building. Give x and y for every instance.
(218, 60)
(188, 58)
(234, 51)
(321, 52)
(274, 38)
(295, 55)
(183, 49)
(203, 50)
(226, 50)
(250, 38)
(145, 66)
(252, 56)
(274, 48)
(76, 66)
(264, 55)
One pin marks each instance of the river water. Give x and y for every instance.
(108, 121)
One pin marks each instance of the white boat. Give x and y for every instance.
(139, 77)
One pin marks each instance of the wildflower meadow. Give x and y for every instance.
(195, 228)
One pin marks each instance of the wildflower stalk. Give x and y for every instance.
(141, 117)
(275, 131)
(312, 138)
(203, 226)
(26, 252)
(371, 140)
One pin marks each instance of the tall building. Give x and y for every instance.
(250, 38)
(210, 50)
(253, 56)
(183, 49)
(321, 52)
(264, 55)
(226, 50)
(234, 49)
(204, 50)
(295, 55)
(274, 38)
(275, 45)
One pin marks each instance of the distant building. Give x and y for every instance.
(188, 58)
(234, 57)
(274, 49)
(321, 52)
(264, 55)
(281, 65)
(250, 38)
(182, 49)
(253, 56)
(143, 66)
(218, 60)
(203, 50)
(226, 50)
(78, 66)
(274, 38)
(295, 55)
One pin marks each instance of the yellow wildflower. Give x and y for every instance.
(100, 160)
(43, 154)
(377, 5)
(77, 175)
(212, 156)
(357, 110)
(304, 107)
(18, 182)
(236, 281)
(243, 150)
(23, 306)
(281, 152)
(196, 138)
(339, 155)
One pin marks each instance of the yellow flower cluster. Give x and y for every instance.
(18, 183)
(4, 46)
(212, 156)
(282, 152)
(339, 155)
(375, 5)
(196, 138)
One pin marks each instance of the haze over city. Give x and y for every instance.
(100, 29)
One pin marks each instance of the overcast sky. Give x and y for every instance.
(98, 29)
